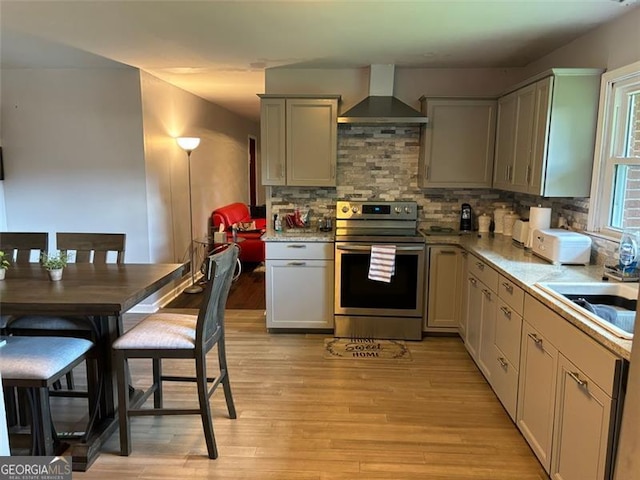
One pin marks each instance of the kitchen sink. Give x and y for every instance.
(612, 305)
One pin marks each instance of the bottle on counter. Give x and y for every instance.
(277, 223)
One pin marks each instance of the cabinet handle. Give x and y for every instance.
(509, 172)
(447, 252)
(480, 265)
(535, 338)
(297, 264)
(506, 173)
(472, 281)
(281, 170)
(487, 293)
(428, 172)
(464, 254)
(296, 246)
(579, 381)
(508, 287)
(528, 174)
(333, 172)
(503, 362)
(506, 311)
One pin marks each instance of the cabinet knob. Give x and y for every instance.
(503, 363)
(487, 293)
(506, 311)
(480, 265)
(508, 287)
(297, 264)
(535, 338)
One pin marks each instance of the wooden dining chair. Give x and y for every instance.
(170, 335)
(33, 365)
(20, 247)
(87, 248)
(92, 247)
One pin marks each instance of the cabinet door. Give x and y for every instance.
(474, 316)
(443, 309)
(505, 141)
(273, 140)
(311, 142)
(540, 135)
(299, 294)
(537, 392)
(526, 103)
(457, 145)
(464, 296)
(486, 355)
(581, 433)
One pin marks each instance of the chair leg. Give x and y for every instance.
(123, 403)
(226, 385)
(71, 384)
(157, 381)
(11, 403)
(205, 410)
(42, 438)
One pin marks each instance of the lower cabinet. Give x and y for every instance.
(444, 288)
(537, 392)
(567, 397)
(474, 316)
(582, 425)
(299, 285)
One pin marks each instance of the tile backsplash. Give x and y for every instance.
(381, 162)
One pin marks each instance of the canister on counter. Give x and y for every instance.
(509, 220)
(498, 219)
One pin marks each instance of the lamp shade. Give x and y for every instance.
(188, 144)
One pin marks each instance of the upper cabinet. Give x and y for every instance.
(456, 145)
(546, 134)
(299, 140)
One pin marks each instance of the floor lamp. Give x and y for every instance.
(189, 144)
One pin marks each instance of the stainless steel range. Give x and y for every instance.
(367, 308)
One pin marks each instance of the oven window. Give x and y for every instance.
(357, 291)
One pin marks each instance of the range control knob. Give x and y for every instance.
(345, 209)
(354, 209)
(407, 209)
(397, 210)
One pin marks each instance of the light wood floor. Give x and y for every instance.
(304, 417)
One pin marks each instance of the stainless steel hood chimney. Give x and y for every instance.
(381, 107)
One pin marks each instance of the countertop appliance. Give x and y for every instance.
(366, 308)
(466, 220)
(520, 232)
(561, 246)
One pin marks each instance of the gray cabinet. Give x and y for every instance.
(444, 288)
(298, 138)
(568, 396)
(457, 144)
(299, 285)
(546, 134)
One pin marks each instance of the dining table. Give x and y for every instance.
(101, 292)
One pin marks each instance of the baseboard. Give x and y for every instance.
(169, 296)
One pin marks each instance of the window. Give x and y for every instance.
(615, 192)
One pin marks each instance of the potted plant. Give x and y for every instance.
(4, 264)
(54, 263)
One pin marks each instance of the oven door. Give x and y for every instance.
(357, 295)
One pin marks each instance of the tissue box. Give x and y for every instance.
(561, 246)
(219, 237)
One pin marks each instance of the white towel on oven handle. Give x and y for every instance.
(382, 264)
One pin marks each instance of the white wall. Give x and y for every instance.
(410, 83)
(73, 153)
(219, 166)
(610, 46)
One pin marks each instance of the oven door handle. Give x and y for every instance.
(367, 248)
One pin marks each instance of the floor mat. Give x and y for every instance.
(366, 348)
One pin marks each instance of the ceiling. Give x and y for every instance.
(219, 50)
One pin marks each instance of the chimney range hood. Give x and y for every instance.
(381, 107)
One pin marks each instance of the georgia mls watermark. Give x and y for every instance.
(35, 468)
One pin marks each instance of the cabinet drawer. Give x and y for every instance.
(598, 363)
(299, 250)
(508, 331)
(512, 294)
(504, 380)
(484, 273)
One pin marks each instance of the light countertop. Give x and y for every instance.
(515, 263)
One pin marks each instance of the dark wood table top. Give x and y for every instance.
(85, 288)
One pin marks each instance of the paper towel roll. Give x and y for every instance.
(539, 218)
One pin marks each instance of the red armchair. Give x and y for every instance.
(252, 248)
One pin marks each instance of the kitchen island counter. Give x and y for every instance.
(297, 235)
